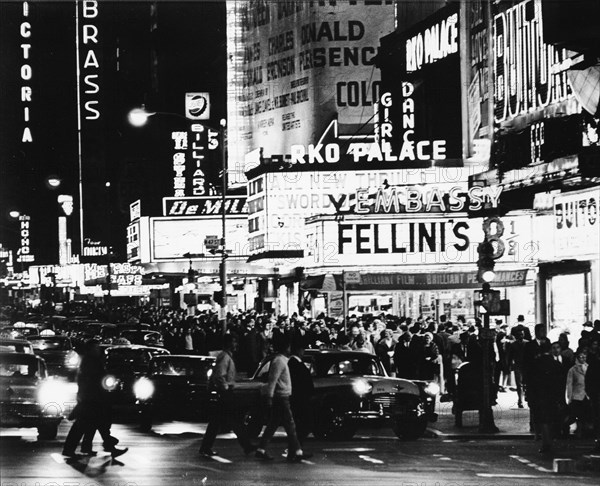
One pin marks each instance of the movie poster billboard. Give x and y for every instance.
(296, 66)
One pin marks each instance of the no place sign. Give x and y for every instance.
(212, 242)
(352, 277)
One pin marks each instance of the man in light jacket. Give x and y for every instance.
(278, 390)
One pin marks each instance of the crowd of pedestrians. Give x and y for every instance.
(559, 380)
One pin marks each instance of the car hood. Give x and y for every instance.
(380, 384)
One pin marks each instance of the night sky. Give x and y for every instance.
(138, 65)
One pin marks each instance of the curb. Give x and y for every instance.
(438, 434)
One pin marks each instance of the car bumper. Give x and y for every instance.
(25, 418)
(393, 407)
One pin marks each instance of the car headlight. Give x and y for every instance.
(143, 389)
(53, 396)
(72, 360)
(361, 387)
(110, 382)
(432, 389)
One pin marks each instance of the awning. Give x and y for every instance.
(276, 254)
(414, 281)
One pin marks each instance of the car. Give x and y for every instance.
(58, 353)
(124, 364)
(175, 387)
(351, 387)
(8, 345)
(20, 330)
(29, 398)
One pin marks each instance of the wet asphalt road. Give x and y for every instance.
(168, 456)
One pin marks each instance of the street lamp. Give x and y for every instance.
(53, 182)
(138, 117)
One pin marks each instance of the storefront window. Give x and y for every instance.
(567, 303)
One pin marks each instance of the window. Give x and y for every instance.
(353, 366)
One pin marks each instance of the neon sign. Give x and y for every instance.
(523, 78)
(25, 255)
(91, 66)
(437, 42)
(26, 73)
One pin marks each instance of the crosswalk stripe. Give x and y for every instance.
(349, 449)
(370, 459)
(515, 476)
(59, 458)
(221, 459)
(533, 465)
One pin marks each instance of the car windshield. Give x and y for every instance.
(183, 367)
(24, 331)
(130, 358)
(50, 344)
(355, 365)
(15, 365)
(14, 347)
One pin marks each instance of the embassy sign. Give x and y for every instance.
(204, 206)
(417, 199)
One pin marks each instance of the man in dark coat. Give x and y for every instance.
(531, 352)
(592, 387)
(404, 358)
(93, 409)
(468, 393)
(303, 390)
(546, 393)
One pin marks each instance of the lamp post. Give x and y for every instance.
(138, 117)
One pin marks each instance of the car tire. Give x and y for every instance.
(331, 424)
(409, 429)
(47, 431)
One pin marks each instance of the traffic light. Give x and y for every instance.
(218, 297)
(485, 262)
(3, 268)
(489, 302)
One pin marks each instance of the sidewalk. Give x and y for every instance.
(512, 421)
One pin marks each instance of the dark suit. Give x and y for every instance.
(592, 388)
(469, 390)
(531, 352)
(302, 391)
(546, 390)
(405, 361)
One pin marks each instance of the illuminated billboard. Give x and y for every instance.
(420, 69)
(173, 238)
(280, 202)
(412, 239)
(295, 66)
